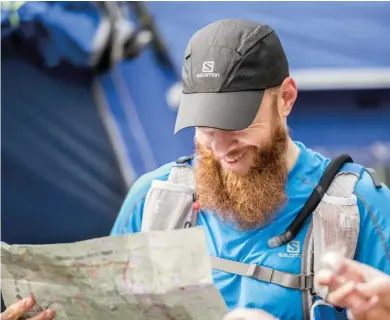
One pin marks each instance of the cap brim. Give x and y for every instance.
(222, 110)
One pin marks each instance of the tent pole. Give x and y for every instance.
(125, 165)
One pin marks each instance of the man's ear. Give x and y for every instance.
(287, 95)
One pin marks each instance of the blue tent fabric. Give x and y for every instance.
(59, 163)
(60, 177)
(314, 34)
(142, 116)
(61, 30)
(336, 122)
(139, 103)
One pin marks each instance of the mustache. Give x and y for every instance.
(204, 151)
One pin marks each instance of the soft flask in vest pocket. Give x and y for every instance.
(165, 204)
(169, 204)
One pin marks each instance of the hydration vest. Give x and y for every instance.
(335, 223)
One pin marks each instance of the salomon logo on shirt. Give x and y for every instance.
(293, 250)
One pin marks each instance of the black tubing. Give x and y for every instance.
(313, 201)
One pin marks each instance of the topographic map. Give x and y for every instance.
(144, 276)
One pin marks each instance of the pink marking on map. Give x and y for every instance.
(124, 275)
(78, 298)
(25, 252)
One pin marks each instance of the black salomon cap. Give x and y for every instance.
(227, 66)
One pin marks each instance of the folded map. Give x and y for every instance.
(155, 275)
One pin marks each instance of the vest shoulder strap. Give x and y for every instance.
(182, 173)
(265, 274)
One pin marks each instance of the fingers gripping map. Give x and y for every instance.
(157, 275)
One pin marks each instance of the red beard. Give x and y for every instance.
(250, 200)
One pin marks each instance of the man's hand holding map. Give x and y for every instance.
(157, 275)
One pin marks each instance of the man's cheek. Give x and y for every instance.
(203, 139)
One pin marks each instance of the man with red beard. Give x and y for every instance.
(251, 178)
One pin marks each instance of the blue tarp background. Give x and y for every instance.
(315, 34)
(60, 177)
(61, 173)
(60, 30)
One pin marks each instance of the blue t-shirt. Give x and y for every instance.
(225, 241)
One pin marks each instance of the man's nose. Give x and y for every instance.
(223, 142)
